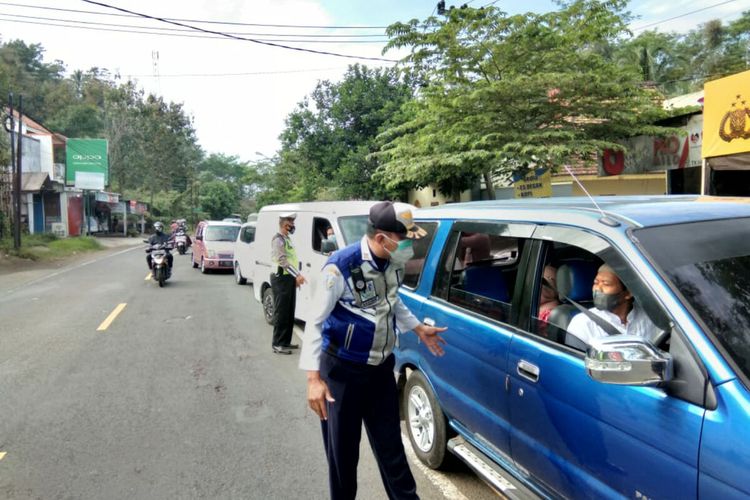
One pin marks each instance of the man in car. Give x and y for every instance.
(159, 238)
(614, 303)
(284, 282)
(348, 351)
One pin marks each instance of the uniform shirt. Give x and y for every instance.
(638, 323)
(284, 255)
(356, 321)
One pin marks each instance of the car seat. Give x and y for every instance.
(574, 281)
(487, 281)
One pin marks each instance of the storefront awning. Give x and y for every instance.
(33, 182)
(732, 162)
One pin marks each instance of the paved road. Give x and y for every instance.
(180, 397)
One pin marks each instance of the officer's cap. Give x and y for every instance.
(395, 217)
(288, 215)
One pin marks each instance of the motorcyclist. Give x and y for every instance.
(158, 238)
(181, 227)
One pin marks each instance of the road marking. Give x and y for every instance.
(445, 485)
(148, 277)
(2, 455)
(105, 324)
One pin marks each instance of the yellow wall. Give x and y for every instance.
(648, 184)
(423, 198)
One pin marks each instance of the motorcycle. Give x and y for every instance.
(180, 241)
(160, 270)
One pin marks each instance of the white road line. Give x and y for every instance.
(67, 269)
(445, 485)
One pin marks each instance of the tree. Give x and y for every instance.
(328, 139)
(217, 199)
(505, 93)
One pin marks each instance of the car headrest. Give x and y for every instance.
(575, 280)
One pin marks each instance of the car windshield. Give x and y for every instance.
(353, 227)
(709, 264)
(221, 233)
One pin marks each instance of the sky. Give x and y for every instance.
(239, 93)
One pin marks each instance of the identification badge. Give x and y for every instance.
(364, 289)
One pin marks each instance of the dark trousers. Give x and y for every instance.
(284, 300)
(368, 394)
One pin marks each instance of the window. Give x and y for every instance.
(353, 228)
(221, 233)
(482, 268)
(248, 234)
(413, 268)
(320, 230)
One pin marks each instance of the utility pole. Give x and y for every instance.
(19, 163)
(10, 125)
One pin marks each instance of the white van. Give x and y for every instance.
(349, 222)
(244, 253)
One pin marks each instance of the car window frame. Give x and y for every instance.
(421, 223)
(508, 229)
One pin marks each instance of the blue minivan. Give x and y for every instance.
(539, 413)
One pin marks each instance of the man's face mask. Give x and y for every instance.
(290, 228)
(403, 252)
(607, 301)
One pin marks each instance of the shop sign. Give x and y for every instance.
(86, 155)
(107, 197)
(89, 180)
(535, 184)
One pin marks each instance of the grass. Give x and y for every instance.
(48, 246)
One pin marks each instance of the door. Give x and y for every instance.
(38, 214)
(474, 296)
(585, 439)
(243, 250)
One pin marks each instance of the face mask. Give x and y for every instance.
(403, 252)
(290, 229)
(332, 238)
(606, 301)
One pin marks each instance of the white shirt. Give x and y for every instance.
(638, 323)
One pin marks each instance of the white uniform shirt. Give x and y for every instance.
(638, 323)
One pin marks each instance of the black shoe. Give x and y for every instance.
(292, 346)
(280, 349)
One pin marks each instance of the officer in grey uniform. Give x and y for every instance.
(348, 351)
(285, 280)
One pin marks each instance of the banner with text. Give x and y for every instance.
(535, 184)
(86, 155)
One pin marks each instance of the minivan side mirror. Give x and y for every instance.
(628, 360)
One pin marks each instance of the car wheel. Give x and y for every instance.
(238, 274)
(203, 266)
(268, 305)
(425, 422)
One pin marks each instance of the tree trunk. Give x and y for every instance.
(489, 185)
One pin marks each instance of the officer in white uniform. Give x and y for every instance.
(348, 351)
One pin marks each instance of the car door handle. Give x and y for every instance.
(308, 264)
(528, 371)
(429, 322)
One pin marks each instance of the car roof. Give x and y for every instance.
(635, 211)
(330, 207)
(221, 223)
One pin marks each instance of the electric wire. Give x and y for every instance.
(173, 31)
(685, 14)
(251, 40)
(203, 21)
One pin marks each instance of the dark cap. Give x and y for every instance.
(395, 217)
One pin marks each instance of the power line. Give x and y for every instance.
(95, 23)
(180, 35)
(253, 73)
(656, 23)
(202, 21)
(167, 31)
(252, 40)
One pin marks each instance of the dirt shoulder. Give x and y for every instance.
(17, 270)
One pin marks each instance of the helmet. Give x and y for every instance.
(158, 227)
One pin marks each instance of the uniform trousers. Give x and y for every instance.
(363, 393)
(284, 301)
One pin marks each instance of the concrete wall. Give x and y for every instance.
(634, 184)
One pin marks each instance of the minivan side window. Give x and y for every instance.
(320, 227)
(248, 234)
(483, 270)
(413, 268)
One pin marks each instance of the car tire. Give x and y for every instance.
(268, 305)
(425, 422)
(204, 270)
(238, 278)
